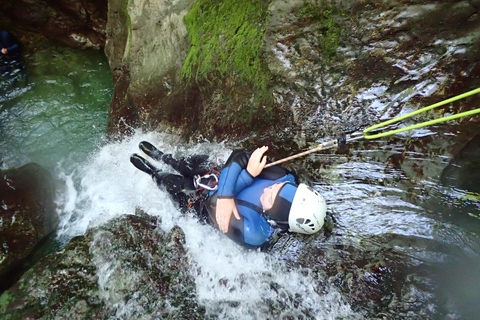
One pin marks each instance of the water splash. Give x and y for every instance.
(231, 282)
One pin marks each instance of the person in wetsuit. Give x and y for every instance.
(11, 64)
(261, 200)
(9, 45)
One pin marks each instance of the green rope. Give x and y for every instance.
(422, 124)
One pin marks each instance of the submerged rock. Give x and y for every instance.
(389, 276)
(27, 216)
(463, 170)
(126, 269)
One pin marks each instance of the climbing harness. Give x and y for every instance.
(363, 134)
(204, 185)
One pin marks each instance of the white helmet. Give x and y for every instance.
(308, 211)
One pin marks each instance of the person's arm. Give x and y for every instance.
(10, 45)
(235, 177)
(13, 48)
(232, 173)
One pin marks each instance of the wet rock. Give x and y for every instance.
(191, 69)
(126, 269)
(145, 46)
(321, 67)
(462, 171)
(382, 277)
(27, 216)
(387, 56)
(79, 24)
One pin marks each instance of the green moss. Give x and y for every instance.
(5, 300)
(323, 14)
(226, 39)
(128, 23)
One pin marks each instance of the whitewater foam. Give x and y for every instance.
(231, 282)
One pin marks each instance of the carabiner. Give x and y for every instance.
(198, 182)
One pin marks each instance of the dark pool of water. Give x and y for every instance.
(56, 111)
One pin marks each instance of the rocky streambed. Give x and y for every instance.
(402, 238)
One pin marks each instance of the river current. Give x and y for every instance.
(58, 118)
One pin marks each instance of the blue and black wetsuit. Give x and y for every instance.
(252, 230)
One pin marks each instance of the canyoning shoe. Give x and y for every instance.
(143, 165)
(150, 150)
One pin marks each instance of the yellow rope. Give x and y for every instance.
(422, 124)
(358, 135)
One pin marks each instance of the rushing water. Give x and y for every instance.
(381, 194)
(231, 282)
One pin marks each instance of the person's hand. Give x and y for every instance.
(4, 50)
(223, 214)
(257, 161)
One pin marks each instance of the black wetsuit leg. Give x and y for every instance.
(181, 187)
(185, 167)
(177, 186)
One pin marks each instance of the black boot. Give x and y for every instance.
(143, 165)
(150, 150)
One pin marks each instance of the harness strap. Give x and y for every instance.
(260, 211)
(250, 205)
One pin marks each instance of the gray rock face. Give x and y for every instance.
(27, 215)
(146, 45)
(331, 65)
(351, 63)
(126, 269)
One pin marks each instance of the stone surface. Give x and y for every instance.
(331, 65)
(27, 216)
(462, 171)
(79, 24)
(126, 269)
(188, 70)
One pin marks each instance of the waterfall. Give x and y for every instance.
(231, 282)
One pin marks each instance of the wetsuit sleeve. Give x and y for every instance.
(9, 42)
(13, 48)
(234, 177)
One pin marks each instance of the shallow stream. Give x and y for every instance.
(385, 202)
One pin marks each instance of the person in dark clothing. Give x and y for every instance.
(262, 200)
(9, 44)
(11, 65)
